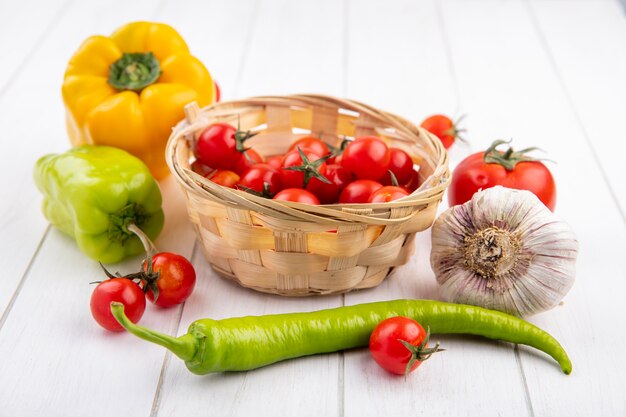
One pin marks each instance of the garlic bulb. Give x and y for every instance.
(503, 250)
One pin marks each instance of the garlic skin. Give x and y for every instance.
(503, 250)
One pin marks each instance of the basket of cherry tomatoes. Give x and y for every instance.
(306, 194)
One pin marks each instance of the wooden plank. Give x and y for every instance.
(20, 234)
(33, 121)
(590, 59)
(585, 44)
(249, 52)
(30, 22)
(407, 40)
(49, 338)
(510, 89)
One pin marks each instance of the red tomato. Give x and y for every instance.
(122, 290)
(473, 174)
(311, 143)
(216, 146)
(275, 161)
(224, 178)
(391, 354)
(201, 169)
(442, 127)
(297, 195)
(367, 157)
(358, 191)
(171, 280)
(413, 183)
(328, 193)
(296, 178)
(387, 194)
(401, 164)
(247, 159)
(258, 176)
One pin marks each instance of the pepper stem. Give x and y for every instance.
(145, 240)
(120, 221)
(185, 347)
(147, 274)
(134, 71)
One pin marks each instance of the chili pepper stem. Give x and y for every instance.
(185, 347)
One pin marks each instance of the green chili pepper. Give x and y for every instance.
(240, 344)
(93, 193)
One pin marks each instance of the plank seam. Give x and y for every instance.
(40, 40)
(448, 55)
(529, 403)
(246, 48)
(156, 401)
(20, 284)
(570, 101)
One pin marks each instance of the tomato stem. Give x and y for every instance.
(456, 131)
(394, 180)
(419, 353)
(509, 158)
(241, 137)
(310, 169)
(338, 150)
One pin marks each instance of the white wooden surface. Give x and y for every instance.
(549, 73)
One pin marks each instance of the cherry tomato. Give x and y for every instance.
(311, 143)
(122, 290)
(171, 280)
(387, 194)
(224, 177)
(401, 164)
(216, 146)
(297, 195)
(473, 174)
(275, 161)
(329, 193)
(258, 176)
(391, 354)
(295, 179)
(443, 127)
(201, 169)
(246, 160)
(414, 182)
(358, 191)
(367, 157)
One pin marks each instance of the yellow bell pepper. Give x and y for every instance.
(128, 90)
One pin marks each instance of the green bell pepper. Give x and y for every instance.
(93, 193)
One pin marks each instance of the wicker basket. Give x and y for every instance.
(296, 249)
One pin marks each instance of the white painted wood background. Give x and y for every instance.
(549, 73)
